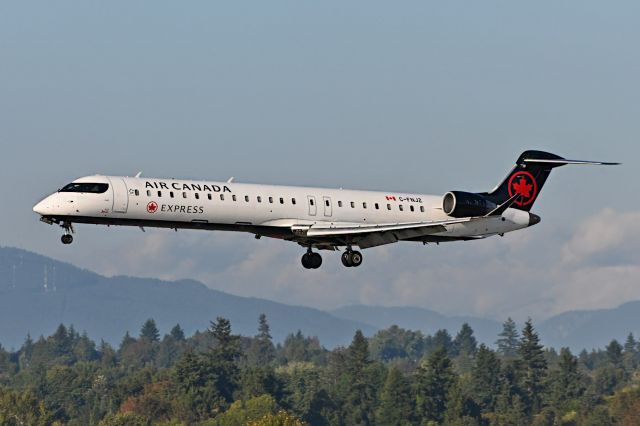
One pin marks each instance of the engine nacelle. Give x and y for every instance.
(465, 204)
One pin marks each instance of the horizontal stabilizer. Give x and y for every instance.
(562, 161)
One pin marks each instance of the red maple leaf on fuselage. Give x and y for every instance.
(523, 188)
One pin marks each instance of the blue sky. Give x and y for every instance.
(413, 96)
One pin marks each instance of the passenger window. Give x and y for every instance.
(221, 197)
(197, 195)
(377, 206)
(184, 195)
(353, 205)
(233, 197)
(171, 194)
(311, 201)
(421, 209)
(246, 198)
(364, 205)
(293, 201)
(209, 196)
(148, 193)
(137, 192)
(326, 203)
(281, 200)
(339, 203)
(388, 206)
(411, 208)
(259, 199)
(401, 207)
(271, 200)
(159, 193)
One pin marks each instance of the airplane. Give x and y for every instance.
(315, 218)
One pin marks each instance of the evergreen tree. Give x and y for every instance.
(462, 410)
(509, 339)
(441, 340)
(262, 351)
(177, 333)
(358, 409)
(485, 379)
(396, 407)
(223, 359)
(434, 379)
(149, 331)
(464, 348)
(565, 382)
(533, 368)
(614, 353)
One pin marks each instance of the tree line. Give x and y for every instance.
(396, 377)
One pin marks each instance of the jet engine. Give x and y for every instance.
(465, 204)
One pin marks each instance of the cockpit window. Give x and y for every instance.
(95, 188)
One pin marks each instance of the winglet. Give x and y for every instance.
(230, 179)
(138, 174)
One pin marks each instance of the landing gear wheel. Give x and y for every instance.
(355, 258)
(66, 239)
(345, 259)
(351, 258)
(311, 260)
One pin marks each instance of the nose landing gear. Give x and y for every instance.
(351, 258)
(311, 260)
(67, 238)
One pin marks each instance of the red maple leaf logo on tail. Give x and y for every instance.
(523, 183)
(523, 188)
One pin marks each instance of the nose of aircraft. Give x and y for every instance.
(42, 207)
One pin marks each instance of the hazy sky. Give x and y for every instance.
(413, 96)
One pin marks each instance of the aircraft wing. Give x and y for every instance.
(366, 236)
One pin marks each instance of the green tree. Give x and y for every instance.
(509, 339)
(177, 333)
(149, 331)
(614, 353)
(434, 379)
(533, 368)
(462, 410)
(396, 404)
(360, 397)
(485, 379)
(223, 359)
(565, 382)
(465, 348)
(262, 351)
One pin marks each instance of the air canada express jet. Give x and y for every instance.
(315, 218)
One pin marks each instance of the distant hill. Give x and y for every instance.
(413, 318)
(38, 293)
(591, 329)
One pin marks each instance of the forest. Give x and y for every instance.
(395, 377)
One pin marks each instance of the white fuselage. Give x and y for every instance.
(271, 210)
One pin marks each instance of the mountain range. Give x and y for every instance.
(38, 293)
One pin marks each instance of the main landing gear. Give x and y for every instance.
(351, 258)
(311, 260)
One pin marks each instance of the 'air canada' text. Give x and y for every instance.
(187, 186)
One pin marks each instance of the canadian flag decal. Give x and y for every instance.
(391, 197)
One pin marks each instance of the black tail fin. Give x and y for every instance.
(528, 177)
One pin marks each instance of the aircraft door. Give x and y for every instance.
(327, 206)
(120, 195)
(313, 208)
